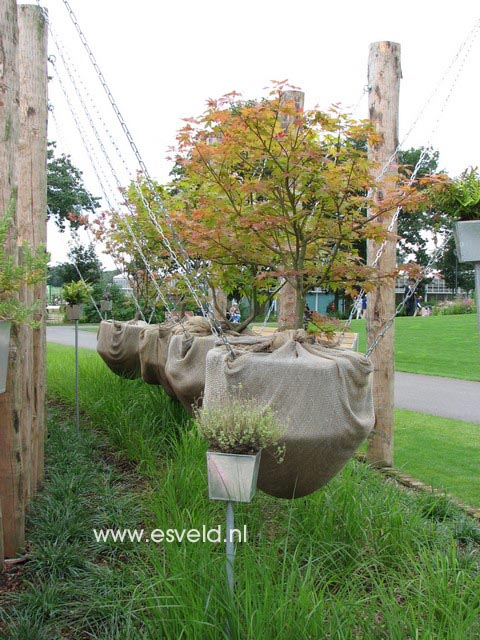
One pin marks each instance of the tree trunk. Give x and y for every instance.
(11, 478)
(32, 226)
(290, 296)
(384, 73)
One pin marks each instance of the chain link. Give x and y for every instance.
(92, 158)
(101, 178)
(407, 297)
(467, 46)
(186, 267)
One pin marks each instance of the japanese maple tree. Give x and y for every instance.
(282, 190)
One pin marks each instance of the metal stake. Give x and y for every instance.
(230, 546)
(77, 401)
(477, 293)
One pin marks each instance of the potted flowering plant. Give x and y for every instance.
(75, 294)
(236, 433)
(463, 202)
(13, 277)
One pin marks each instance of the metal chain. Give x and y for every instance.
(407, 297)
(267, 316)
(87, 148)
(95, 165)
(102, 180)
(468, 44)
(390, 229)
(185, 267)
(112, 169)
(96, 168)
(81, 277)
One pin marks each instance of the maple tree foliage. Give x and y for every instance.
(286, 190)
(267, 193)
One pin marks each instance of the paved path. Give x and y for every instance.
(446, 397)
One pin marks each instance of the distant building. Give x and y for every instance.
(122, 281)
(435, 291)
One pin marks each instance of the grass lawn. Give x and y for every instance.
(446, 346)
(441, 452)
(357, 559)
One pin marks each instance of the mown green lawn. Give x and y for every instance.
(446, 346)
(441, 452)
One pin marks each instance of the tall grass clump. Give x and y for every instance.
(357, 559)
(73, 586)
(140, 420)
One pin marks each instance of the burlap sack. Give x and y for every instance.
(187, 355)
(322, 395)
(153, 351)
(118, 346)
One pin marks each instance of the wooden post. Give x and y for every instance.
(384, 74)
(289, 316)
(32, 225)
(11, 476)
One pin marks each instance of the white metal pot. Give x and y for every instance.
(4, 351)
(73, 311)
(232, 476)
(467, 240)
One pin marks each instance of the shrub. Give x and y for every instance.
(454, 307)
(241, 426)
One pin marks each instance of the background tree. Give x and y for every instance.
(457, 275)
(460, 200)
(67, 198)
(123, 307)
(417, 226)
(85, 258)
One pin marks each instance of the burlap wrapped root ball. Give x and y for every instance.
(187, 356)
(153, 350)
(118, 346)
(322, 395)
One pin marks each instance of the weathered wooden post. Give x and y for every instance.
(289, 317)
(384, 74)
(32, 225)
(11, 474)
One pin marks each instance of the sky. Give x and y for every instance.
(163, 60)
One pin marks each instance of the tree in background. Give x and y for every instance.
(123, 307)
(418, 226)
(457, 275)
(67, 198)
(85, 258)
